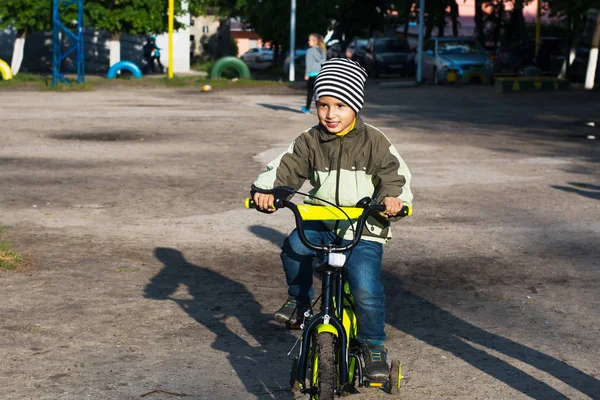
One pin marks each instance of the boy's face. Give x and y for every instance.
(334, 114)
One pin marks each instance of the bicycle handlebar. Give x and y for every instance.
(361, 212)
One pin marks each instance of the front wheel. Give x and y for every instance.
(324, 367)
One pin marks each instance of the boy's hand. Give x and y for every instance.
(393, 205)
(264, 201)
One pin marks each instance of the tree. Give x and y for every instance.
(360, 17)
(136, 17)
(25, 16)
(515, 27)
(271, 20)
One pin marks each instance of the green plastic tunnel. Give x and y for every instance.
(230, 62)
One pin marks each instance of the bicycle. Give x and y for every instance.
(329, 356)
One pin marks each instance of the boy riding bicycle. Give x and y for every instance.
(345, 160)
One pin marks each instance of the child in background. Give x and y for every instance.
(315, 56)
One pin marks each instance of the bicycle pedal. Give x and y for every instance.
(375, 384)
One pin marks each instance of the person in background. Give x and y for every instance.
(315, 56)
(156, 56)
(148, 51)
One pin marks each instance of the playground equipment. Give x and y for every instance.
(5, 71)
(124, 65)
(230, 62)
(74, 39)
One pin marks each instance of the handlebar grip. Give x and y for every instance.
(405, 211)
(249, 203)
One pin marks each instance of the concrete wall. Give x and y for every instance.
(181, 47)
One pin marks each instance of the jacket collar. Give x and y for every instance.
(325, 136)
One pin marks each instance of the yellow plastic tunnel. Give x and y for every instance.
(5, 70)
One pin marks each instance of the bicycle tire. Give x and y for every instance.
(324, 381)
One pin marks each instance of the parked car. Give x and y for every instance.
(357, 49)
(389, 55)
(258, 57)
(456, 59)
(520, 59)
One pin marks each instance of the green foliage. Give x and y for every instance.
(136, 17)
(222, 8)
(204, 66)
(8, 259)
(578, 10)
(362, 18)
(26, 15)
(116, 16)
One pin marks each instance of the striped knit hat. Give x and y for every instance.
(343, 79)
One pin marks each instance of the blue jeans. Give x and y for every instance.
(363, 271)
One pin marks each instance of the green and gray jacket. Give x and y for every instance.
(343, 170)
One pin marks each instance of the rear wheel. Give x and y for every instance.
(324, 367)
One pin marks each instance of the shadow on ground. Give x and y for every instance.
(280, 108)
(425, 321)
(582, 189)
(214, 299)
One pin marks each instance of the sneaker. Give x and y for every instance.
(289, 313)
(305, 110)
(375, 357)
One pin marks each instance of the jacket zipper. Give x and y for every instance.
(337, 182)
(339, 169)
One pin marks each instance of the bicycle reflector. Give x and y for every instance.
(337, 259)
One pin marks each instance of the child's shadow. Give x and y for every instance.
(423, 320)
(582, 189)
(215, 299)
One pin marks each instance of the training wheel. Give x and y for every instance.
(395, 377)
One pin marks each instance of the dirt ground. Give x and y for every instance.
(148, 279)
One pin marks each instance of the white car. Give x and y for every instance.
(258, 57)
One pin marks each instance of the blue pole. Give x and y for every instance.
(80, 53)
(55, 43)
(74, 39)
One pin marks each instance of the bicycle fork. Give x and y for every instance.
(325, 321)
